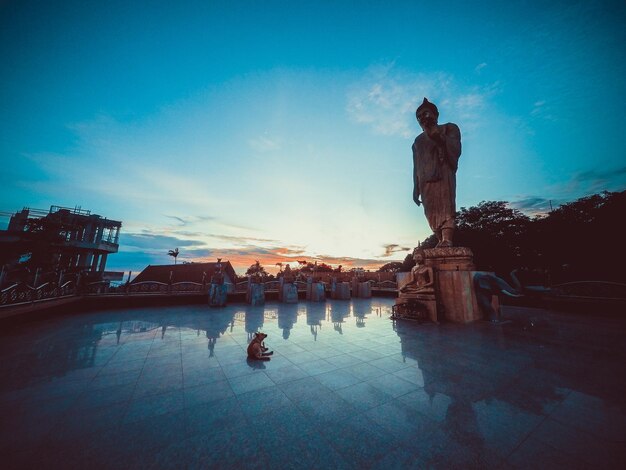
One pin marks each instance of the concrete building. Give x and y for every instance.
(59, 240)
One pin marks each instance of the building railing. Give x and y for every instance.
(391, 285)
(155, 287)
(23, 293)
(301, 285)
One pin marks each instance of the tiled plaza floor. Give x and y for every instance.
(346, 388)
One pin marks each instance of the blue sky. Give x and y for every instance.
(282, 130)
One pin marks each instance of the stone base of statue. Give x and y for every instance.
(287, 291)
(364, 290)
(453, 273)
(255, 295)
(361, 290)
(315, 291)
(340, 291)
(414, 301)
(416, 306)
(217, 295)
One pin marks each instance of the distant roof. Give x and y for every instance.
(191, 272)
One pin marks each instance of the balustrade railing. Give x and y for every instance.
(154, 287)
(23, 293)
(392, 285)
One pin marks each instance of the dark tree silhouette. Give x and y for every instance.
(256, 268)
(496, 234)
(174, 253)
(407, 264)
(392, 267)
(579, 240)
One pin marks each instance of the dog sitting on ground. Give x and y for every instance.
(257, 349)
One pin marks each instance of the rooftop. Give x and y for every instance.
(345, 388)
(184, 272)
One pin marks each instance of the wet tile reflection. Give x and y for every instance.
(346, 387)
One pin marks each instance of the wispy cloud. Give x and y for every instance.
(187, 220)
(541, 109)
(265, 143)
(581, 184)
(153, 243)
(393, 248)
(593, 181)
(178, 219)
(240, 240)
(386, 99)
(535, 205)
(480, 66)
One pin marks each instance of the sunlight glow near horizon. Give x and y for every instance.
(284, 132)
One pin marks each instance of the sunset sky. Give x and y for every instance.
(282, 130)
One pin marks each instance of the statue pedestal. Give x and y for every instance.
(217, 295)
(340, 291)
(287, 291)
(318, 294)
(453, 270)
(315, 291)
(255, 295)
(290, 293)
(362, 290)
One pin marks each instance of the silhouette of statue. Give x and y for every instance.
(218, 275)
(287, 317)
(288, 274)
(436, 153)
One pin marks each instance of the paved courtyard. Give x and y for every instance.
(346, 388)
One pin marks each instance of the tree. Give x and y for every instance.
(581, 240)
(324, 268)
(174, 253)
(577, 241)
(429, 242)
(407, 264)
(257, 269)
(392, 267)
(497, 235)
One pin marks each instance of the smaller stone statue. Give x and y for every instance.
(421, 279)
(288, 274)
(218, 276)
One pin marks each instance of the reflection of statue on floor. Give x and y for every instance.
(338, 318)
(360, 319)
(211, 345)
(215, 325)
(287, 317)
(314, 317)
(253, 322)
